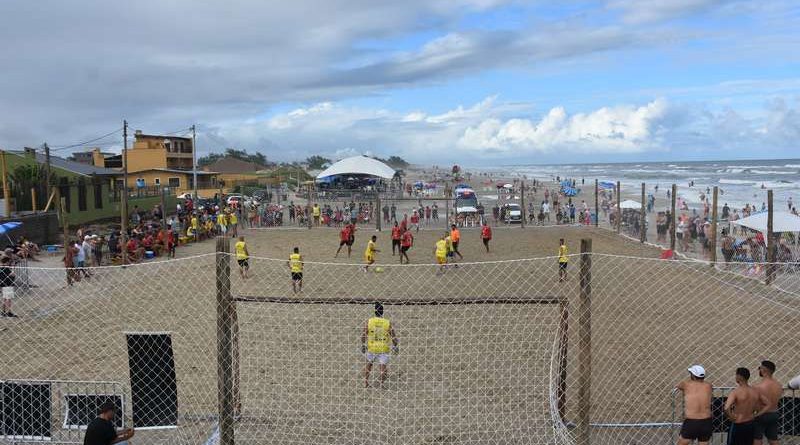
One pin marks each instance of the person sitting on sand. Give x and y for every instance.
(697, 423)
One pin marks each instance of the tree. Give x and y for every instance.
(243, 155)
(397, 162)
(317, 162)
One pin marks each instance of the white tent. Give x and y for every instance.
(781, 222)
(358, 165)
(630, 204)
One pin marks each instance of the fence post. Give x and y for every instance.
(35, 205)
(585, 343)
(377, 213)
(770, 241)
(619, 210)
(596, 205)
(643, 218)
(563, 350)
(522, 203)
(224, 342)
(713, 243)
(308, 206)
(673, 219)
(163, 209)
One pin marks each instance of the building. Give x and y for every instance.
(93, 157)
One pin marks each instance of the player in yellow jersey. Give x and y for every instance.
(375, 343)
(194, 228)
(233, 222)
(440, 251)
(222, 223)
(295, 264)
(563, 260)
(369, 254)
(242, 257)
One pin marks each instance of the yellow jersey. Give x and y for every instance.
(221, 220)
(241, 250)
(234, 219)
(378, 335)
(562, 254)
(194, 222)
(441, 248)
(296, 262)
(449, 243)
(370, 252)
(315, 210)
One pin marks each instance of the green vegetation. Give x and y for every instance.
(317, 162)
(243, 155)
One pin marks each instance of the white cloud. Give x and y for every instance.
(657, 10)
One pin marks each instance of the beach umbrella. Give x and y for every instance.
(508, 186)
(7, 227)
(782, 222)
(630, 204)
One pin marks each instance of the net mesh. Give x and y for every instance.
(490, 353)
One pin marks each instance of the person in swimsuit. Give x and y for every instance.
(767, 423)
(697, 424)
(742, 406)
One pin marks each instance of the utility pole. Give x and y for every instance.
(124, 197)
(6, 191)
(194, 161)
(47, 169)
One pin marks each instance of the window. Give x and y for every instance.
(81, 195)
(98, 196)
(157, 181)
(174, 182)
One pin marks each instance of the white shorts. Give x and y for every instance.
(383, 358)
(8, 293)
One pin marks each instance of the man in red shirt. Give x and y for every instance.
(397, 233)
(405, 243)
(486, 235)
(415, 220)
(346, 238)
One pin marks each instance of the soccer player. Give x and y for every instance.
(369, 253)
(415, 220)
(396, 235)
(455, 238)
(242, 257)
(563, 260)
(296, 267)
(440, 251)
(345, 239)
(740, 407)
(767, 423)
(697, 424)
(486, 235)
(405, 244)
(375, 339)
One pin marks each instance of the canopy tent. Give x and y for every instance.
(781, 222)
(358, 165)
(630, 204)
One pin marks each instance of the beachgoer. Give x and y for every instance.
(742, 406)
(7, 279)
(242, 257)
(101, 431)
(405, 244)
(767, 423)
(369, 253)
(396, 235)
(375, 343)
(486, 235)
(697, 393)
(440, 252)
(296, 267)
(563, 260)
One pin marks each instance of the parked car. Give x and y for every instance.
(512, 213)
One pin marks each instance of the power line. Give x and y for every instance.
(64, 147)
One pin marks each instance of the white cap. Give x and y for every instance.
(697, 371)
(86, 237)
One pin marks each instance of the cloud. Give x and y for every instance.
(660, 10)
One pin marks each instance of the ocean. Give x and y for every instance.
(739, 182)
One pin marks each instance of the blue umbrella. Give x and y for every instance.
(8, 226)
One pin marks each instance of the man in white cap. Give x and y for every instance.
(697, 423)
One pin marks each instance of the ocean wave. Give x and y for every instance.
(792, 165)
(736, 181)
(772, 172)
(776, 185)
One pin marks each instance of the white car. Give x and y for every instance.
(236, 198)
(512, 213)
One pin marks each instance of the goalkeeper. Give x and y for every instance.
(375, 339)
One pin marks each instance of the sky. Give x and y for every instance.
(475, 82)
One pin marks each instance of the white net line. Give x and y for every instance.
(484, 372)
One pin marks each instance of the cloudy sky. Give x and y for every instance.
(434, 81)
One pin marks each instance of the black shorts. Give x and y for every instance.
(741, 433)
(455, 245)
(245, 263)
(766, 425)
(297, 276)
(700, 430)
(404, 249)
(344, 243)
(563, 266)
(395, 242)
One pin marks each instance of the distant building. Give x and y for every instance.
(93, 157)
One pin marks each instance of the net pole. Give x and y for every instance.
(224, 342)
(378, 215)
(522, 203)
(596, 205)
(643, 218)
(563, 350)
(584, 342)
(713, 245)
(672, 226)
(619, 211)
(308, 206)
(770, 241)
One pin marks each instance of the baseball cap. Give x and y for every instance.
(697, 371)
(87, 237)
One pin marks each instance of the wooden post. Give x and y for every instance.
(596, 203)
(585, 343)
(308, 206)
(34, 204)
(713, 243)
(643, 218)
(770, 270)
(563, 350)
(123, 207)
(378, 214)
(619, 210)
(6, 194)
(163, 209)
(225, 304)
(673, 218)
(446, 210)
(522, 203)
(64, 225)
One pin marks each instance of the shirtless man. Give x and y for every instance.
(767, 423)
(742, 406)
(697, 423)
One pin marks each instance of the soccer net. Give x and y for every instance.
(489, 353)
